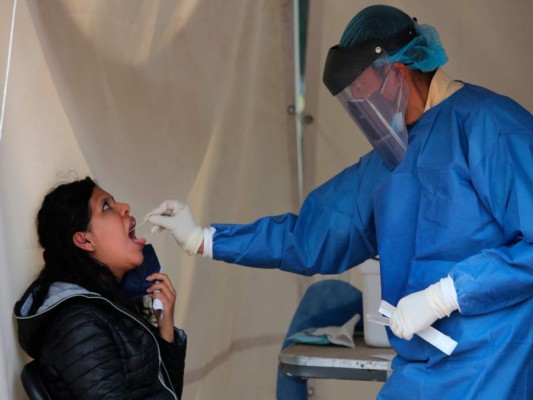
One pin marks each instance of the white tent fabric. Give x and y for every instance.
(187, 99)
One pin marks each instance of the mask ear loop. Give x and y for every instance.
(400, 90)
(384, 84)
(399, 96)
(392, 70)
(397, 99)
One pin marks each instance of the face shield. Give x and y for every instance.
(373, 92)
(377, 101)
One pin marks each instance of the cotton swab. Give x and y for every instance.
(139, 224)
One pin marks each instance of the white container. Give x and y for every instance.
(375, 334)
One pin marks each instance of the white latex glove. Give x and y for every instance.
(421, 309)
(177, 217)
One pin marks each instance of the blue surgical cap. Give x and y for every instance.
(424, 52)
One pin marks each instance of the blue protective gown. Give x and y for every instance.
(460, 204)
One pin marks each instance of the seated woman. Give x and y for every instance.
(90, 340)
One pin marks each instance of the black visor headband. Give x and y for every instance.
(345, 64)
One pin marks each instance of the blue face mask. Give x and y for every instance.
(134, 283)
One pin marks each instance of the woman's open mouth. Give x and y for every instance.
(133, 236)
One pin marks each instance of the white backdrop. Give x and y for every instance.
(187, 99)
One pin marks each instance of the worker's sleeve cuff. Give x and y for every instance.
(208, 242)
(449, 293)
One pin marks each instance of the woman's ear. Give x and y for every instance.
(82, 240)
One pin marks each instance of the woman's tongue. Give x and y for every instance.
(139, 241)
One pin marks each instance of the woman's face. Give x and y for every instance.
(108, 238)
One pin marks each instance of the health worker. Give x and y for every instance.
(445, 199)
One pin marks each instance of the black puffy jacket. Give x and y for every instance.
(91, 348)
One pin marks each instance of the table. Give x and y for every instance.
(362, 363)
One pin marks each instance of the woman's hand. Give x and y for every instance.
(163, 290)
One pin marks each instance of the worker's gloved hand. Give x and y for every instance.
(177, 217)
(419, 310)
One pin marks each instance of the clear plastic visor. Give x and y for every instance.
(377, 101)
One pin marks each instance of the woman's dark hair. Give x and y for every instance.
(64, 211)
